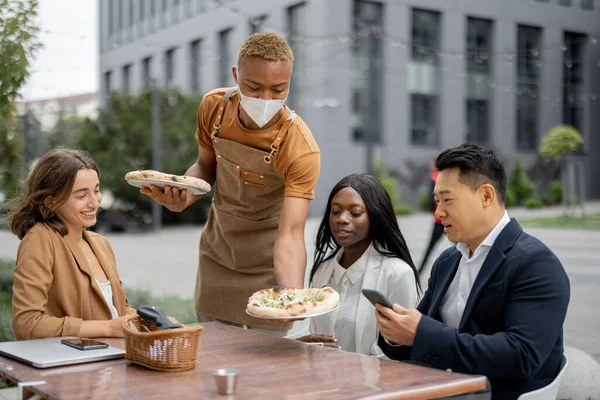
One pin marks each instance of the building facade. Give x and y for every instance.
(49, 111)
(397, 79)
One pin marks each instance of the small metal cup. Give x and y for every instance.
(226, 379)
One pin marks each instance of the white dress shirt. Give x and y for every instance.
(106, 289)
(348, 283)
(455, 300)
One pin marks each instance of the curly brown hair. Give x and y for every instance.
(268, 46)
(47, 187)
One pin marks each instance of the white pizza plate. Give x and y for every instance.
(293, 318)
(146, 182)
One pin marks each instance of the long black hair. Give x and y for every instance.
(383, 225)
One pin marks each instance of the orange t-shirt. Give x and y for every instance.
(298, 160)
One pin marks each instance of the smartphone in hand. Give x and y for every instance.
(84, 344)
(376, 298)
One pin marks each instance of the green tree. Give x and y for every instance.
(120, 140)
(65, 132)
(559, 142)
(18, 43)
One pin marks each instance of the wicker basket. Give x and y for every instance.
(161, 350)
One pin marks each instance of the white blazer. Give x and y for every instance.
(389, 275)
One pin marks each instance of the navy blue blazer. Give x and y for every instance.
(512, 327)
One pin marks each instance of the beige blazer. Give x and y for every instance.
(54, 289)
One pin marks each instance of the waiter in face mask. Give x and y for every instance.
(264, 163)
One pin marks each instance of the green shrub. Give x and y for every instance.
(7, 276)
(424, 201)
(391, 186)
(521, 185)
(402, 209)
(534, 202)
(510, 197)
(554, 195)
(3, 219)
(6, 331)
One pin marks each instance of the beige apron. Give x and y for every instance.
(236, 248)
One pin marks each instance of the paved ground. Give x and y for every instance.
(166, 262)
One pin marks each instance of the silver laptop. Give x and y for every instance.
(50, 352)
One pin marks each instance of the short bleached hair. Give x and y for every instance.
(268, 46)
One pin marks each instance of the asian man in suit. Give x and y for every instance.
(496, 302)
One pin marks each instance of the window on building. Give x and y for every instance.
(195, 70)
(528, 73)
(120, 17)
(147, 72)
(169, 67)
(152, 8)
(478, 111)
(573, 79)
(142, 10)
(425, 36)
(131, 20)
(226, 59)
(107, 83)
(201, 5)
(366, 78)
(163, 13)
(567, 3)
(125, 77)
(424, 119)
(424, 99)
(110, 16)
(189, 9)
(479, 74)
(258, 24)
(297, 22)
(527, 122)
(587, 4)
(479, 45)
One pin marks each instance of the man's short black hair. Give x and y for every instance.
(477, 164)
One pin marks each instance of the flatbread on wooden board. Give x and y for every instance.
(140, 178)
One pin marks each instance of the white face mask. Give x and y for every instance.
(261, 111)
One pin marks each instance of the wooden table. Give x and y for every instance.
(271, 368)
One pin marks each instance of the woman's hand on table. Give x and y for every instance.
(114, 327)
(174, 320)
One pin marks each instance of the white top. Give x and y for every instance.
(348, 283)
(353, 323)
(106, 289)
(455, 300)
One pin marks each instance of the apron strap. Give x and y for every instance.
(222, 104)
(280, 136)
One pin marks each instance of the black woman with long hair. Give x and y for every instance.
(359, 245)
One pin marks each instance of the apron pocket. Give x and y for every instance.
(243, 244)
(229, 179)
(254, 184)
(254, 174)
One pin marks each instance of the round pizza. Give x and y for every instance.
(162, 179)
(281, 301)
